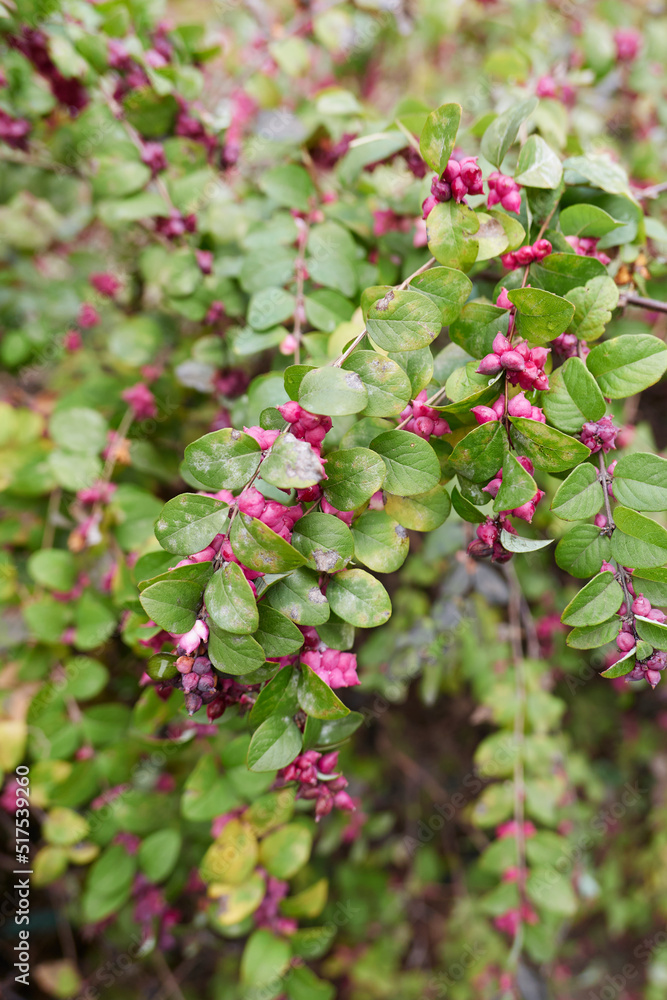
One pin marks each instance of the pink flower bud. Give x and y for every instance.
(600, 521)
(512, 202)
(641, 605)
(493, 487)
(484, 414)
(487, 533)
(490, 365)
(519, 406)
(512, 361)
(625, 642)
(501, 344)
(503, 301)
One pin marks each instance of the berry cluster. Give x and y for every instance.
(524, 366)
(628, 42)
(503, 191)
(599, 435)
(335, 667)
(527, 510)
(69, 91)
(567, 345)
(277, 516)
(142, 401)
(267, 913)
(564, 92)
(518, 406)
(459, 179)
(510, 921)
(423, 420)
(649, 669)
(488, 541)
(14, 131)
(306, 426)
(105, 283)
(586, 246)
(316, 779)
(527, 255)
(175, 224)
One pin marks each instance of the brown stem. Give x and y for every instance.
(655, 305)
(514, 614)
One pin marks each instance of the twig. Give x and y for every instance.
(611, 526)
(171, 988)
(300, 271)
(408, 135)
(543, 227)
(514, 613)
(650, 192)
(49, 525)
(655, 305)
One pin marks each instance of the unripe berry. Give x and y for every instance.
(625, 642)
(641, 605)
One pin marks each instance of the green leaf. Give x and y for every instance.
(274, 744)
(538, 166)
(291, 464)
(264, 963)
(541, 316)
(225, 459)
(517, 487)
(503, 130)
(277, 698)
(308, 903)
(380, 543)
(652, 583)
(332, 391)
(627, 365)
(94, 621)
(439, 135)
(269, 307)
(468, 388)
(159, 853)
(402, 320)
(172, 604)
(465, 509)
(573, 397)
(277, 634)
(230, 601)
(358, 598)
(553, 895)
(652, 632)
(417, 365)
(319, 733)
(447, 287)
(234, 654)
(479, 455)
(593, 307)
(289, 185)
(411, 463)
(586, 221)
(476, 327)
(515, 543)
(451, 231)
(234, 903)
(285, 851)
(422, 512)
(546, 447)
(298, 596)
(580, 495)
(331, 259)
(259, 548)
(601, 171)
(638, 541)
(316, 697)
(78, 429)
(595, 603)
(640, 481)
(353, 476)
(594, 636)
(621, 667)
(582, 550)
(108, 884)
(188, 522)
(232, 856)
(491, 237)
(324, 540)
(562, 272)
(386, 384)
(53, 568)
